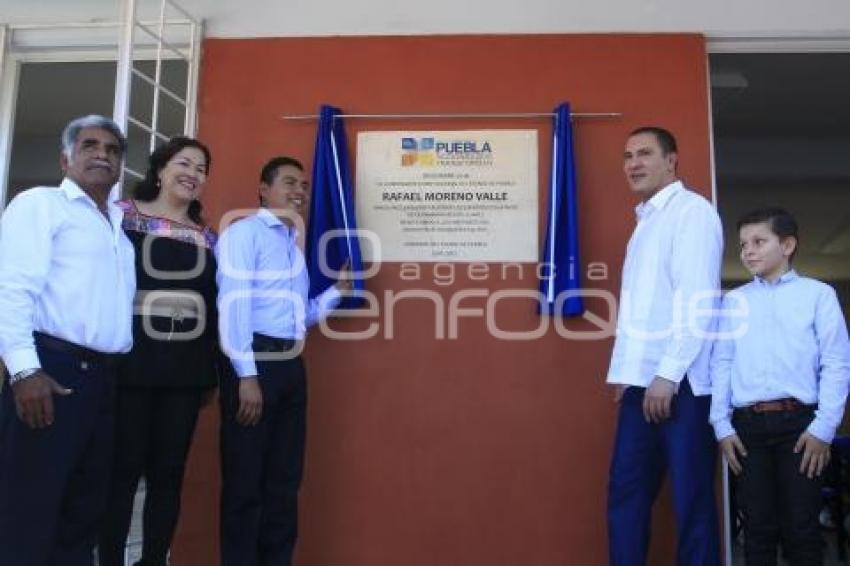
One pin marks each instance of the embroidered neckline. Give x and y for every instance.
(137, 221)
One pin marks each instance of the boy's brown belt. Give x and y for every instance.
(787, 404)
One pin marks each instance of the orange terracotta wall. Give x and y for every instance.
(460, 452)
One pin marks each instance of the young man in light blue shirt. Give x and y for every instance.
(780, 369)
(264, 312)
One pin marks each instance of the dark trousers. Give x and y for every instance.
(683, 446)
(153, 430)
(262, 467)
(778, 503)
(53, 481)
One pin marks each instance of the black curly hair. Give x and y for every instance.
(148, 188)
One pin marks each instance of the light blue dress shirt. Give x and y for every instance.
(262, 287)
(777, 340)
(670, 292)
(66, 271)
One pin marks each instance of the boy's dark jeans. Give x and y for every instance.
(779, 504)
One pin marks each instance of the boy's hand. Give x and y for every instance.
(732, 447)
(815, 454)
(657, 400)
(250, 401)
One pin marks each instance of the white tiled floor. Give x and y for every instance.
(134, 539)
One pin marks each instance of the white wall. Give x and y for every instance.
(257, 18)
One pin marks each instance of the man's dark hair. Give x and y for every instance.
(664, 137)
(780, 221)
(269, 172)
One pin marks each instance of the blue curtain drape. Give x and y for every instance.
(331, 208)
(560, 257)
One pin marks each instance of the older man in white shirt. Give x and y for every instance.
(66, 288)
(670, 291)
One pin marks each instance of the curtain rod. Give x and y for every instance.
(594, 115)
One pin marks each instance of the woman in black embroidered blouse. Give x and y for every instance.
(171, 369)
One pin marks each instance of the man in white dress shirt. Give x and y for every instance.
(66, 289)
(263, 316)
(659, 364)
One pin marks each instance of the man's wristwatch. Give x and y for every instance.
(23, 374)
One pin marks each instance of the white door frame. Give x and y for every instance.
(10, 68)
(185, 46)
(769, 43)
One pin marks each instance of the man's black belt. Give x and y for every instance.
(80, 352)
(264, 343)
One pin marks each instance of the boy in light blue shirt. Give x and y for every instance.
(780, 369)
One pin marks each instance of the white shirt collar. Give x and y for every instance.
(789, 275)
(659, 200)
(271, 221)
(267, 217)
(72, 191)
